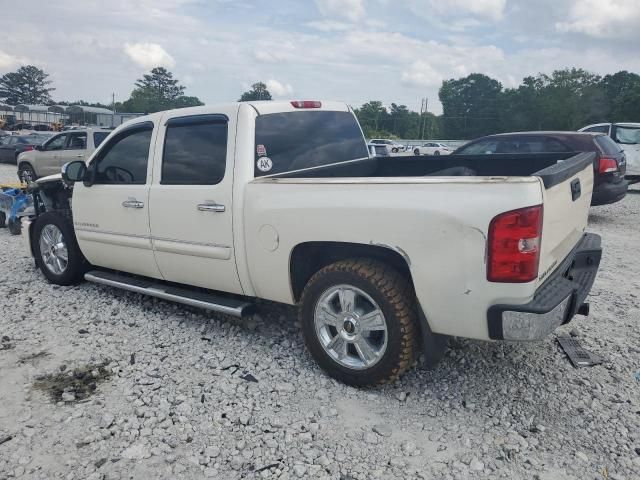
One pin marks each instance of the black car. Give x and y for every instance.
(13, 145)
(609, 185)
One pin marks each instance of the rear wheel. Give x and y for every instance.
(394, 150)
(437, 152)
(359, 322)
(3, 219)
(416, 152)
(56, 250)
(26, 173)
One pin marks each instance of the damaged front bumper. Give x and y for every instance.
(557, 300)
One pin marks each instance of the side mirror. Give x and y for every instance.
(74, 171)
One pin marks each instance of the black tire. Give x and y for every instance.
(395, 297)
(437, 152)
(14, 225)
(25, 170)
(3, 219)
(416, 152)
(76, 266)
(394, 150)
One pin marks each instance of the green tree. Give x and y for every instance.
(28, 85)
(470, 106)
(373, 119)
(157, 91)
(258, 92)
(622, 90)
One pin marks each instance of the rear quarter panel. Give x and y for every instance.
(439, 225)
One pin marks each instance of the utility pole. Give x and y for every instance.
(113, 109)
(426, 108)
(421, 118)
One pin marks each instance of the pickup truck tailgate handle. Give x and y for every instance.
(132, 203)
(211, 207)
(576, 190)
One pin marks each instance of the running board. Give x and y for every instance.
(153, 288)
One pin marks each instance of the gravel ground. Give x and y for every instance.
(97, 383)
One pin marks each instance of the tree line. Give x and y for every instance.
(473, 106)
(156, 91)
(478, 105)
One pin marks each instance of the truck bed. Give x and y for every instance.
(551, 167)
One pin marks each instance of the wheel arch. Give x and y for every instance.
(309, 257)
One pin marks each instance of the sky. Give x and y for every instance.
(349, 50)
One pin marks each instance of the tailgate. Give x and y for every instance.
(568, 186)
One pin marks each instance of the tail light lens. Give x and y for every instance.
(306, 104)
(607, 165)
(28, 148)
(514, 246)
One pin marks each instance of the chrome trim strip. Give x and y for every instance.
(158, 293)
(162, 239)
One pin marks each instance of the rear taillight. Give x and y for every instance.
(514, 246)
(607, 165)
(28, 148)
(306, 104)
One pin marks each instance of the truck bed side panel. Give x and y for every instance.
(438, 225)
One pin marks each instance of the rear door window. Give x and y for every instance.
(481, 147)
(626, 135)
(77, 141)
(195, 150)
(291, 141)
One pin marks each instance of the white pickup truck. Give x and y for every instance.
(217, 206)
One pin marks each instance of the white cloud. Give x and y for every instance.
(149, 55)
(602, 18)
(487, 9)
(350, 9)
(8, 61)
(279, 89)
(421, 74)
(329, 25)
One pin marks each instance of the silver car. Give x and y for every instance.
(48, 158)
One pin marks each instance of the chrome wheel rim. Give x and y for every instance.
(351, 327)
(26, 176)
(53, 249)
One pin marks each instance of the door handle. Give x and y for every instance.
(132, 203)
(79, 156)
(211, 207)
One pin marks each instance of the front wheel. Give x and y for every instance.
(394, 150)
(359, 322)
(437, 152)
(416, 152)
(26, 173)
(56, 250)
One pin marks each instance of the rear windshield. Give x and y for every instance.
(608, 146)
(98, 137)
(627, 135)
(297, 140)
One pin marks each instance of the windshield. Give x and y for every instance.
(297, 140)
(627, 135)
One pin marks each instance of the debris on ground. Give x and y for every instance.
(75, 385)
(579, 356)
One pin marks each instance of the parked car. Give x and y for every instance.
(376, 150)
(609, 165)
(432, 148)
(204, 206)
(390, 144)
(46, 159)
(13, 145)
(627, 136)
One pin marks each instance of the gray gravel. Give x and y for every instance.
(149, 389)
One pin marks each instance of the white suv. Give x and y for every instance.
(390, 144)
(627, 136)
(48, 158)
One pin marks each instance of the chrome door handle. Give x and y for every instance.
(132, 203)
(211, 207)
(79, 156)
